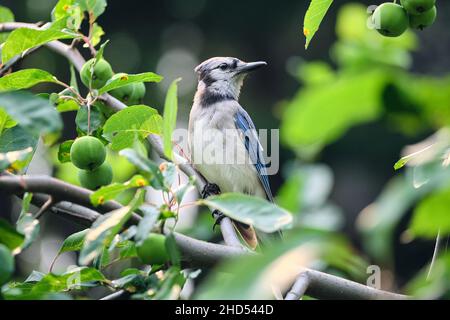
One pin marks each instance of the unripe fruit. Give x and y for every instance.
(390, 19)
(415, 7)
(87, 153)
(102, 73)
(153, 250)
(96, 178)
(423, 20)
(130, 94)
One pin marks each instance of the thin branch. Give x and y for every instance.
(299, 288)
(121, 294)
(328, 287)
(435, 253)
(57, 189)
(50, 201)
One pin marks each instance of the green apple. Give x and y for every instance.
(87, 153)
(423, 20)
(390, 19)
(415, 7)
(102, 73)
(96, 178)
(153, 250)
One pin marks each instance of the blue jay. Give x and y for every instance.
(223, 142)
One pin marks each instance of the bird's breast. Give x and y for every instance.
(218, 153)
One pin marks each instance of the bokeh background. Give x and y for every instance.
(353, 132)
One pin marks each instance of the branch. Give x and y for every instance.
(196, 253)
(326, 286)
(74, 56)
(118, 295)
(299, 288)
(200, 253)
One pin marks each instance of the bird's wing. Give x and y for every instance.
(245, 124)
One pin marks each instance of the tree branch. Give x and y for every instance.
(299, 288)
(74, 56)
(200, 253)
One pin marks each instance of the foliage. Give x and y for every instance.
(313, 17)
(371, 82)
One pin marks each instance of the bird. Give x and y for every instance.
(222, 138)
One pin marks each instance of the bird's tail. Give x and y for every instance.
(248, 234)
(253, 239)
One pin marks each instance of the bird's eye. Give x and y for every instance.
(223, 66)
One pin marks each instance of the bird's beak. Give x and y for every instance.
(250, 66)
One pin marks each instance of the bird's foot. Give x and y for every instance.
(218, 216)
(210, 189)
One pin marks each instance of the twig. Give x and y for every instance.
(44, 207)
(116, 295)
(435, 253)
(299, 288)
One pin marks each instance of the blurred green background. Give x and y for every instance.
(346, 107)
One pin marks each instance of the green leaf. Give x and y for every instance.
(97, 33)
(127, 250)
(16, 138)
(170, 117)
(135, 121)
(94, 7)
(258, 212)
(146, 165)
(97, 119)
(34, 114)
(24, 38)
(6, 264)
(26, 202)
(173, 282)
(182, 190)
(111, 191)
(404, 160)
(129, 281)
(10, 237)
(64, 151)
(24, 79)
(6, 121)
(146, 225)
(5, 16)
(10, 159)
(29, 227)
(68, 9)
(74, 242)
(313, 18)
(35, 276)
(431, 216)
(321, 114)
(434, 285)
(172, 250)
(102, 233)
(65, 105)
(74, 279)
(123, 79)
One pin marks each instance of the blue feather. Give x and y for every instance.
(253, 146)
